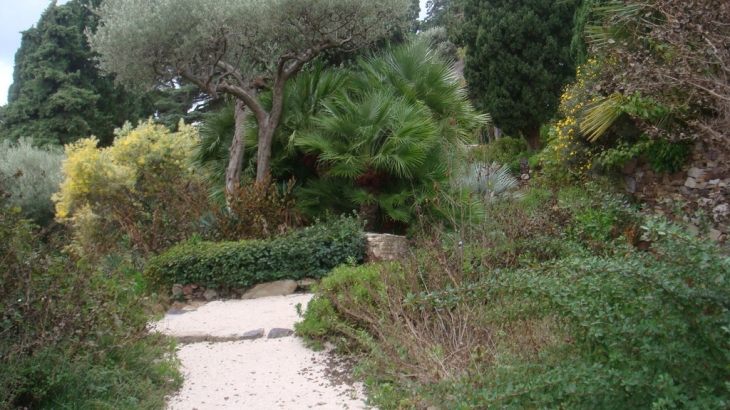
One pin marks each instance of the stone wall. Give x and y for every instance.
(699, 196)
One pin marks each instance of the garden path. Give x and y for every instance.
(262, 373)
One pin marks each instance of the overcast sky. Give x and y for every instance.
(19, 15)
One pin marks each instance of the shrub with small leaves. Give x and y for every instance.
(258, 210)
(71, 334)
(505, 151)
(307, 252)
(31, 175)
(140, 189)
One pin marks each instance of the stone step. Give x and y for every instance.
(194, 336)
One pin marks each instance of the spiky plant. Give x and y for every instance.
(490, 182)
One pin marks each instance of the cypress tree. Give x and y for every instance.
(58, 94)
(518, 59)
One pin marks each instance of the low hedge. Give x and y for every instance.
(308, 252)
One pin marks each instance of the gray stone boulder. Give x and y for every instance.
(278, 332)
(278, 288)
(190, 337)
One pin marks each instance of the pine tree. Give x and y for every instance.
(518, 60)
(58, 94)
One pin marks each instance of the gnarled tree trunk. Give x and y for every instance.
(238, 145)
(263, 159)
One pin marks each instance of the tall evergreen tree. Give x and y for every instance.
(58, 94)
(439, 13)
(585, 16)
(518, 59)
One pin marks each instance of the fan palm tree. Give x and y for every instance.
(302, 98)
(384, 142)
(375, 139)
(416, 73)
(375, 144)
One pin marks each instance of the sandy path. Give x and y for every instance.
(254, 374)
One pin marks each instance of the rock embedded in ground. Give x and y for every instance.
(177, 290)
(191, 336)
(278, 332)
(210, 294)
(174, 311)
(278, 288)
(253, 334)
(306, 283)
(225, 335)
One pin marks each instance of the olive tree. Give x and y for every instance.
(235, 47)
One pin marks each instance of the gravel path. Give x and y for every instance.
(256, 374)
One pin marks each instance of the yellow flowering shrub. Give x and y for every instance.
(573, 152)
(141, 189)
(568, 154)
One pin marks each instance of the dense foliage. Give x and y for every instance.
(73, 334)
(141, 188)
(257, 210)
(551, 292)
(517, 60)
(574, 149)
(236, 48)
(594, 321)
(378, 139)
(58, 94)
(675, 60)
(31, 175)
(305, 253)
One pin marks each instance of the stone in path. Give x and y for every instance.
(190, 336)
(278, 332)
(253, 334)
(278, 288)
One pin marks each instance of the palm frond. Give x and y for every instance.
(601, 116)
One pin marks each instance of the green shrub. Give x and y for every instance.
(628, 329)
(307, 252)
(31, 175)
(642, 330)
(667, 156)
(505, 151)
(544, 305)
(72, 335)
(140, 192)
(258, 210)
(598, 216)
(345, 288)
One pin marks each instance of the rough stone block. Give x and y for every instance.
(278, 332)
(278, 288)
(253, 334)
(210, 294)
(715, 234)
(386, 247)
(695, 172)
(225, 336)
(306, 283)
(190, 337)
